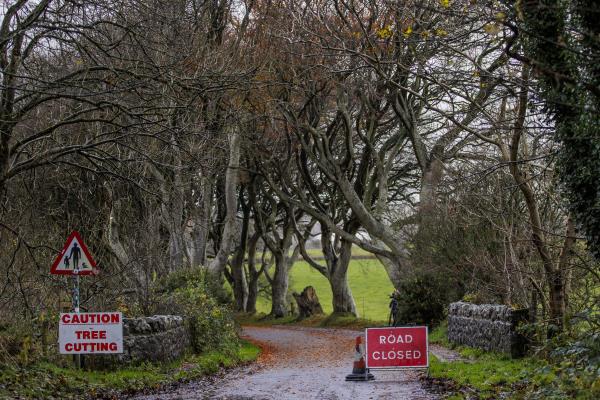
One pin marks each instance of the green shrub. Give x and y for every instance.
(181, 278)
(10, 344)
(25, 341)
(191, 293)
(423, 300)
(576, 364)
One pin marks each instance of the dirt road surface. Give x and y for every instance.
(299, 364)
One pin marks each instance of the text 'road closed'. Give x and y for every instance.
(397, 347)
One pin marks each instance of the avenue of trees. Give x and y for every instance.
(456, 141)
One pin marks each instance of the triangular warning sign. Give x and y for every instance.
(74, 258)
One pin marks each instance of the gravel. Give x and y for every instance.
(300, 363)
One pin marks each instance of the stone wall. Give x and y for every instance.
(156, 339)
(489, 327)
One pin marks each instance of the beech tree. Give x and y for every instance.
(379, 113)
(217, 135)
(105, 91)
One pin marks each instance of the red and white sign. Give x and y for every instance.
(397, 347)
(90, 333)
(74, 258)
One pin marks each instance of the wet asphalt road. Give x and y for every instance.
(300, 363)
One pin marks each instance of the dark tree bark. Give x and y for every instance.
(198, 240)
(240, 285)
(252, 274)
(217, 265)
(279, 285)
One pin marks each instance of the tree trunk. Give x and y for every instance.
(558, 282)
(392, 270)
(253, 275)
(176, 251)
(336, 269)
(308, 303)
(4, 157)
(240, 286)
(200, 227)
(533, 307)
(431, 178)
(553, 275)
(565, 258)
(113, 237)
(172, 208)
(279, 242)
(217, 265)
(342, 299)
(252, 296)
(279, 286)
(557, 302)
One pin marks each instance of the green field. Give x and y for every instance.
(369, 283)
(356, 252)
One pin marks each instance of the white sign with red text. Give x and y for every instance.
(90, 333)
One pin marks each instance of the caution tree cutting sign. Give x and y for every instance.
(74, 258)
(90, 333)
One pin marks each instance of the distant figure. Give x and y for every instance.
(75, 255)
(394, 306)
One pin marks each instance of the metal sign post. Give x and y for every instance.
(77, 358)
(76, 292)
(75, 259)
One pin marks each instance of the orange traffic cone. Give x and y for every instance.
(359, 368)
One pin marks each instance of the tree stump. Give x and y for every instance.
(308, 303)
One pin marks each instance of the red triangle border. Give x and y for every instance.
(74, 235)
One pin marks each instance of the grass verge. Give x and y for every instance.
(44, 380)
(484, 375)
(439, 335)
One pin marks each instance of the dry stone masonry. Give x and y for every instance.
(156, 339)
(489, 327)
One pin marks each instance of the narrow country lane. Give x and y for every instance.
(300, 363)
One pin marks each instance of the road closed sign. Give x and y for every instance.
(90, 333)
(397, 347)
